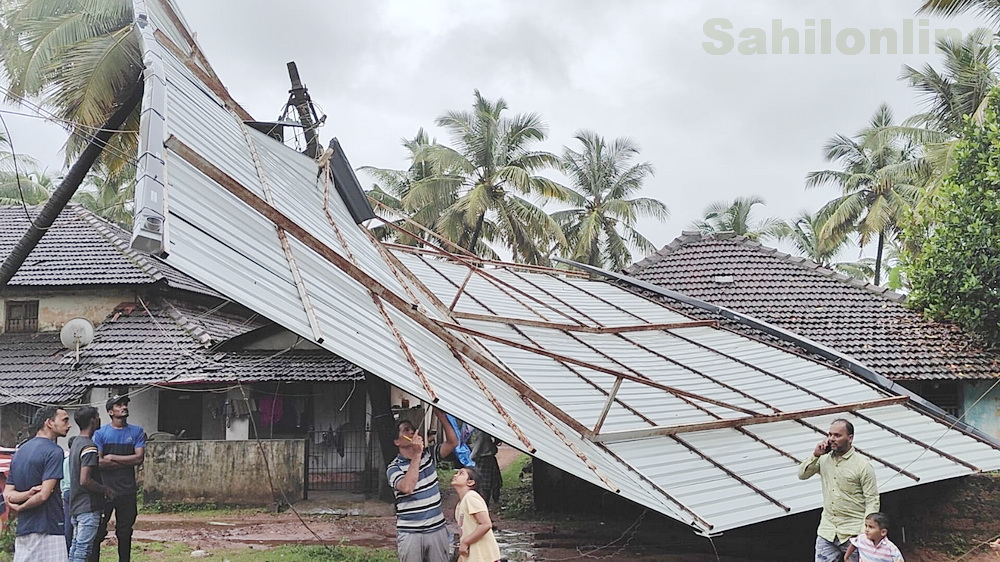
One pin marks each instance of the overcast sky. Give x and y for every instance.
(715, 123)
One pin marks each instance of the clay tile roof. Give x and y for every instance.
(171, 342)
(867, 322)
(33, 370)
(82, 248)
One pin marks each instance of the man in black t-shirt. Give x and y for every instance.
(86, 492)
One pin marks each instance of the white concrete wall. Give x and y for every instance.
(143, 406)
(238, 428)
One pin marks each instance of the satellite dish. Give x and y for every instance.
(75, 334)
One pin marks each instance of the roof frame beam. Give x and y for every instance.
(585, 329)
(570, 360)
(630, 434)
(469, 349)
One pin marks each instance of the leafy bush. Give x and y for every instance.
(956, 276)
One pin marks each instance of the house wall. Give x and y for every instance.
(54, 310)
(143, 408)
(984, 415)
(228, 472)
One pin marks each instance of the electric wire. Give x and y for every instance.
(17, 174)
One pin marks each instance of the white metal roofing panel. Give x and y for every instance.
(220, 240)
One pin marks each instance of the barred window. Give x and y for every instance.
(22, 316)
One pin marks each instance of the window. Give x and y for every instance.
(22, 316)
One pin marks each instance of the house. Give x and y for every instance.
(196, 365)
(869, 323)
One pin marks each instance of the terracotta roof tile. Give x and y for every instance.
(865, 321)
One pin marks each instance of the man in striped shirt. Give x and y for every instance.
(421, 535)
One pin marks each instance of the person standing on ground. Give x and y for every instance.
(87, 493)
(64, 490)
(477, 542)
(421, 535)
(122, 448)
(850, 492)
(484, 454)
(32, 490)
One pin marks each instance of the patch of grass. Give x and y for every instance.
(516, 496)
(206, 509)
(163, 552)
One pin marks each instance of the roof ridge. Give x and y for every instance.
(192, 328)
(103, 227)
(690, 236)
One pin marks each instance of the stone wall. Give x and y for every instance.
(224, 472)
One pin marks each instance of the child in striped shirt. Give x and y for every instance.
(873, 545)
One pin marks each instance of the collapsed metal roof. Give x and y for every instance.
(696, 422)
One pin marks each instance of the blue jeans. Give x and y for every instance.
(84, 530)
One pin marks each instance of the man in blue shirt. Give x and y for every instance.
(32, 490)
(122, 448)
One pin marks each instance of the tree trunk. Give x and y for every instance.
(61, 196)
(475, 234)
(878, 257)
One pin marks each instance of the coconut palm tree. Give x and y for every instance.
(78, 58)
(416, 193)
(960, 89)
(989, 9)
(600, 227)
(879, 176)
(106, 199)
(29, 185)
(735, 216)
(493, 169)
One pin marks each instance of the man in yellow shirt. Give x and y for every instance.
(849, 490)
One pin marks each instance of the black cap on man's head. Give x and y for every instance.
(116, 399)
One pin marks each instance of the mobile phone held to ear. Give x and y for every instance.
(827, 447)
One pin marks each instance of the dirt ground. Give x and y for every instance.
(335, 518)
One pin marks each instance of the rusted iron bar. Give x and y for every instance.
(580, 328)
(503, 286)
(919, 443)
(277, 217)
(458, 294)
(207, 77)
(607, 407)
(469, 255)
(731, 474)
(697, 518)
(827, 400)
(598, 368)
(496, 403)
(570, 368)
(433, 250)
(664, 357)
(283, 238)
(740, 422)
(879, 460)
(555, 429)
(417, 369)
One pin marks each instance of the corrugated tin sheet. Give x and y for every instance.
(711, 480)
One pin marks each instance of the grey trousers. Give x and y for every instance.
(424, 547)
